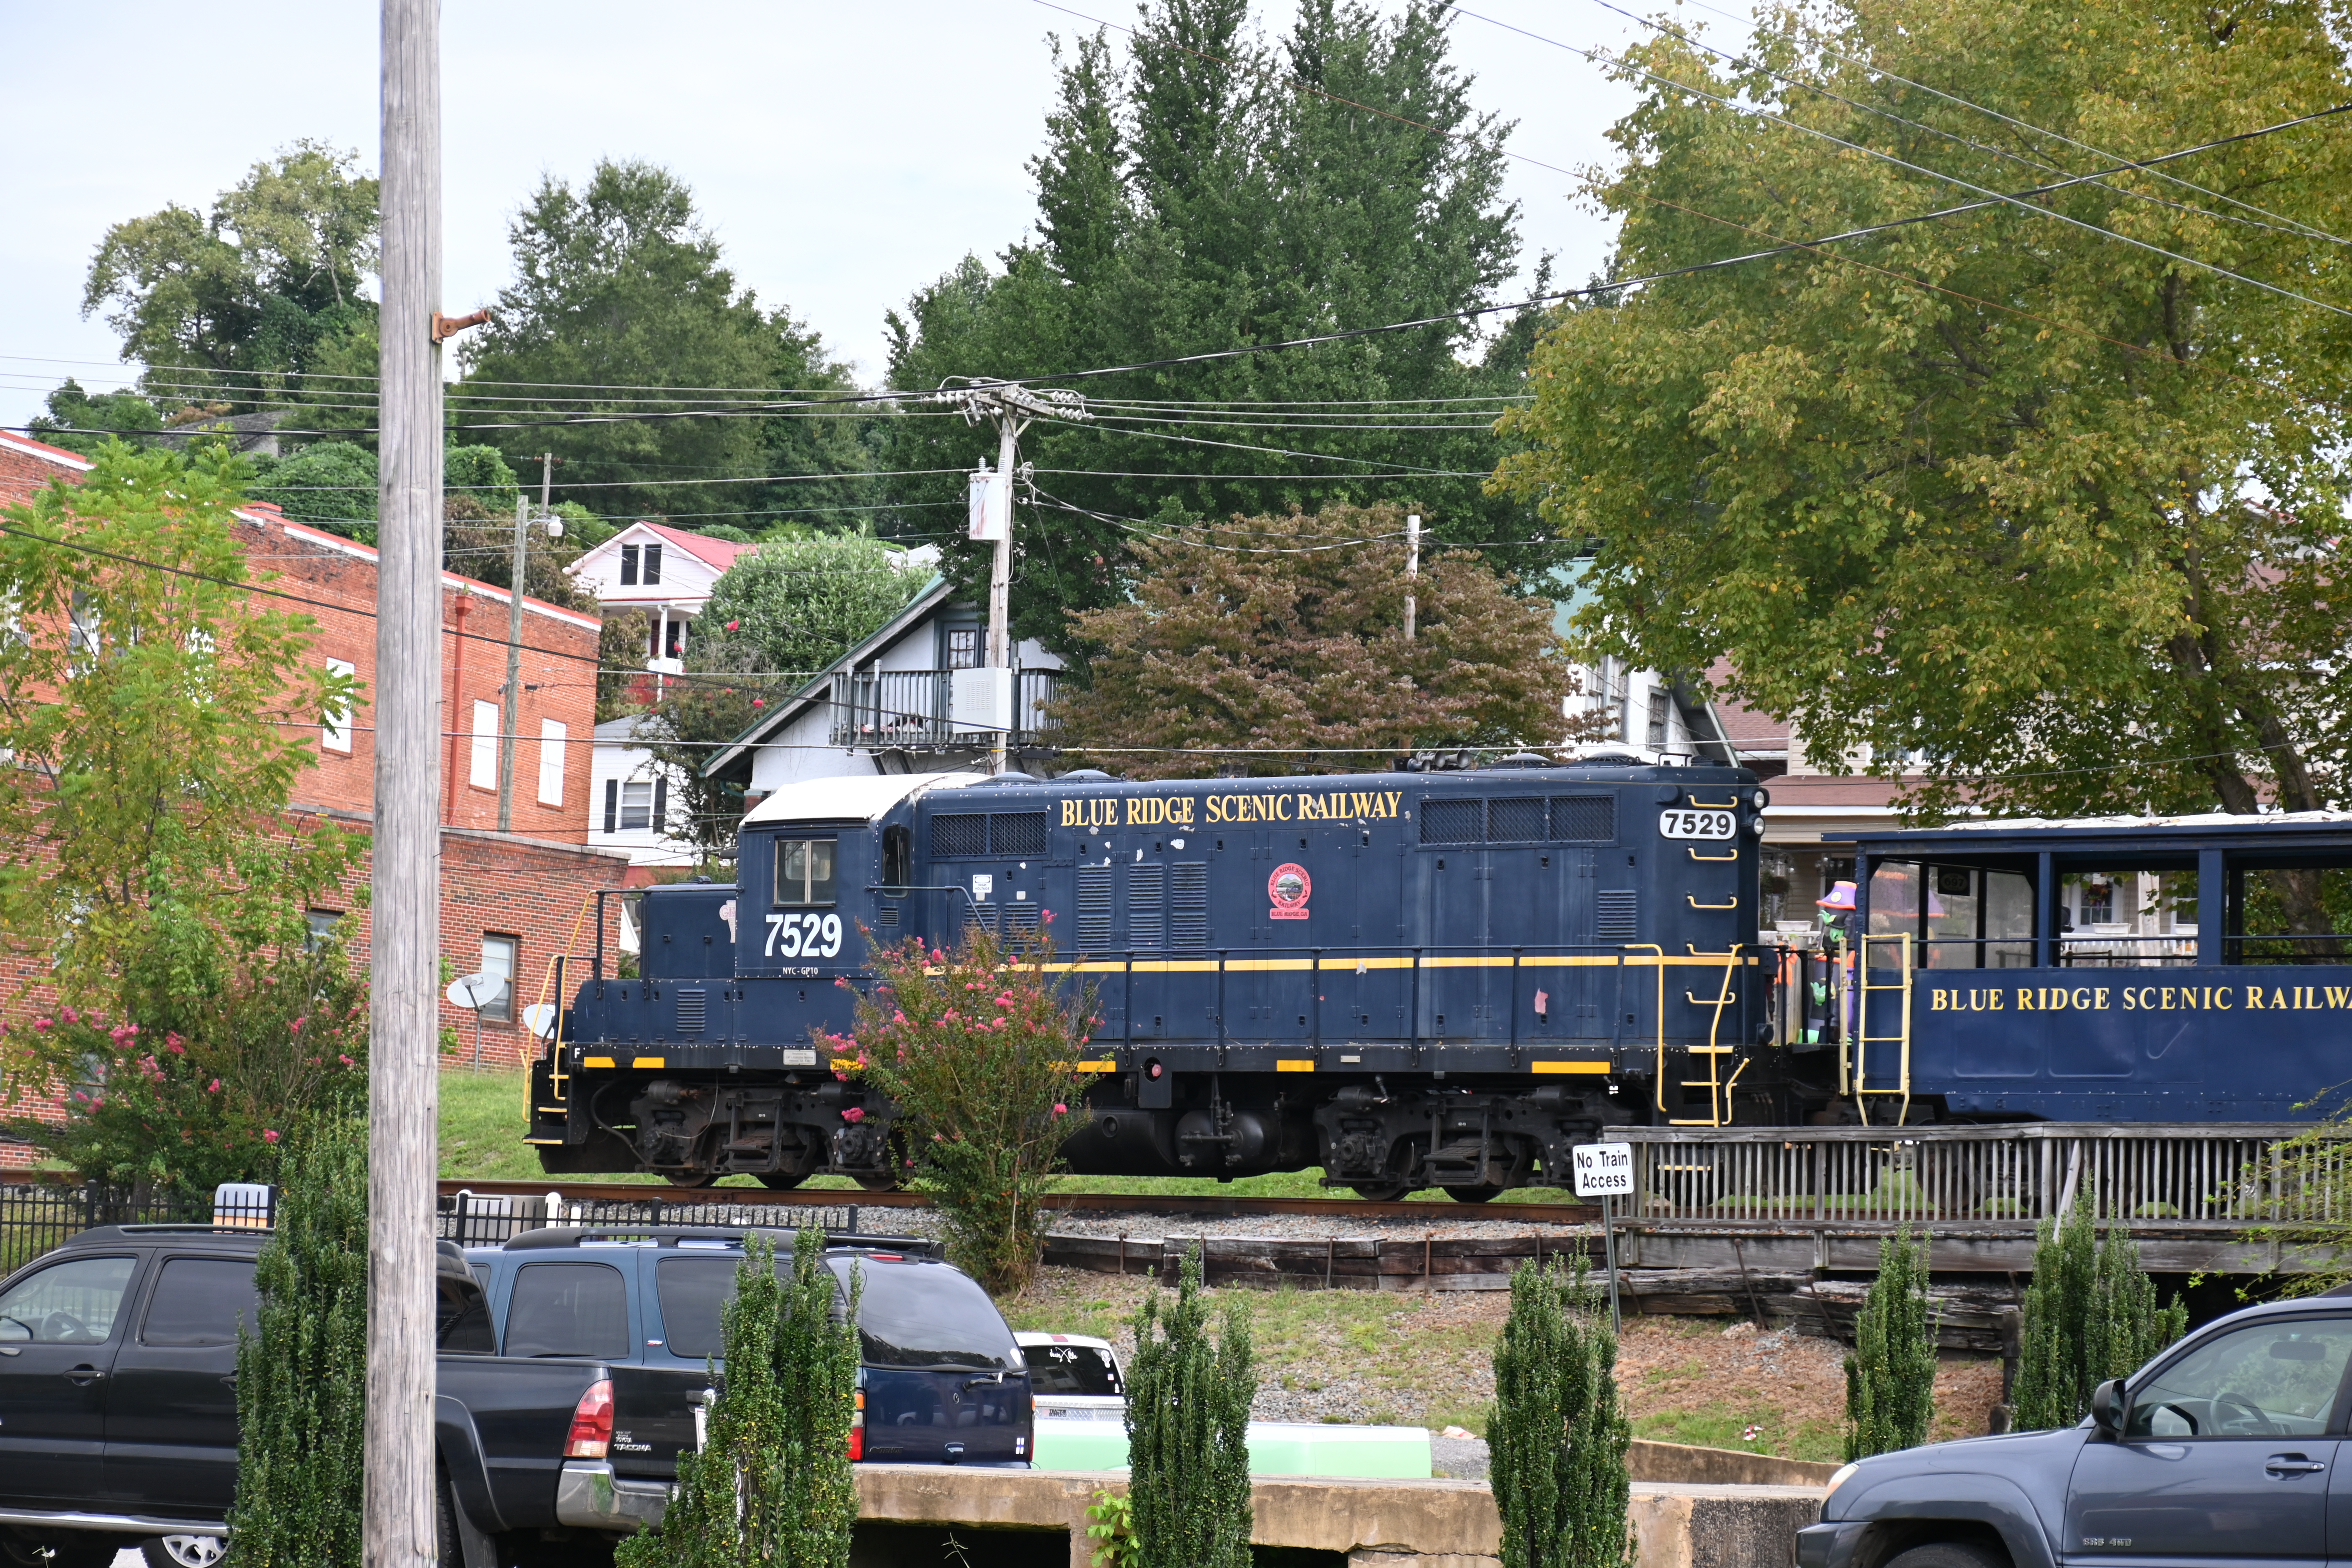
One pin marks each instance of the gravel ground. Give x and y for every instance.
(1448, 1221)
(1426, 1359)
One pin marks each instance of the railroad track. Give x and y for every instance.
(1203, 1205)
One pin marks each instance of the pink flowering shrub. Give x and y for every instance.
(210, 1091)
(978, 1049)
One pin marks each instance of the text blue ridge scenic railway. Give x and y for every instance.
(1438, 979)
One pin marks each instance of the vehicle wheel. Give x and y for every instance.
(691, 1179)
(1473, 1195)
(448, 1548)
(1949, 1555)
(1382, 1193)
(879, 1180)
(183, 1551)
(783, 1180)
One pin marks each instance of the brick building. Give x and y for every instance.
(510, 901)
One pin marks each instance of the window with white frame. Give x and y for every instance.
(636, 804)
(484, 772)
(498, 960)
(551, 761)
(1661, 707)
(336, 729)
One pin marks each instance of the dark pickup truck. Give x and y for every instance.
(940, 1379)
(2224, 1449)
(117, 1409)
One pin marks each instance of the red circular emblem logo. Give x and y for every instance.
(1288, 887)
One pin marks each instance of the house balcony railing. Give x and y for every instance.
(939, 710)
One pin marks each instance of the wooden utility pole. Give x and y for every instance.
(404, 1088)
(1411, 573)
(1011, 406)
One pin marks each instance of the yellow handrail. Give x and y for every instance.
(1711, 860)
(1732, 904)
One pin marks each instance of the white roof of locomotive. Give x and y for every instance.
(850, 798)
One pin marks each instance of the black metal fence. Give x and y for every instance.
(39, 1217)
(486, 1219)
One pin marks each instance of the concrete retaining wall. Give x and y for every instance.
(1376, 1523)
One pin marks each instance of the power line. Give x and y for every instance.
(2020, 202)
(2293, 225)
(1802, 85)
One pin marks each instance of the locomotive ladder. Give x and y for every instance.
(1718, 1088)
(1897, 995)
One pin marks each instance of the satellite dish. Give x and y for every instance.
(539, 1017)
(475, 990)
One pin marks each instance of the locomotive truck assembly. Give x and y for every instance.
(1430, 979)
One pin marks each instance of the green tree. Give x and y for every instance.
(302, 1374)
(1288, 631)
(1187, 1405)
(2007, 496)
(327, 484)
(1890, 1378)
(2090, 1314)
(770, 1486)
(1559, 1437)
(207, 1090)
(1212, 191)
(81, 423)
(803, 599)
(159, 717)
(979, 1051)
(237, 305)
(620, 292)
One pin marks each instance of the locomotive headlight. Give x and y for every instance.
(1756, 827)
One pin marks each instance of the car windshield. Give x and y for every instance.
(1071, 1369)
(927, 1315)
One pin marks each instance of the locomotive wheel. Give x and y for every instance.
(1473, 1195)
(879, 1182)
(783, 1180)
(691, 1179)
(1378, 1193)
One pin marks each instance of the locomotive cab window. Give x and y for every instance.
(804, 870)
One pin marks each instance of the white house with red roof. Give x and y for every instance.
(665, 572)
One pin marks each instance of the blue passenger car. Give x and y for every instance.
(2213, 995)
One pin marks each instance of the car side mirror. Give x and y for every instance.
(2107, 1407)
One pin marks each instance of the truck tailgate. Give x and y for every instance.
(653, 1417)
(521, 1409)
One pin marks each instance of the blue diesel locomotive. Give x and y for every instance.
(1407, 979)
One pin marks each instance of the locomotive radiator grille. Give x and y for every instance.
(1584, 818)
(690, 1011)
(1094, 909)
(1617, 914)
(1146, 914)
(1190, 905)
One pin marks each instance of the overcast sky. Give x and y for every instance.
(845, 155)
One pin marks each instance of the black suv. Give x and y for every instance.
(2224, 1449)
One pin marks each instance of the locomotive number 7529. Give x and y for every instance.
(804, 936)
(1681, 822)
